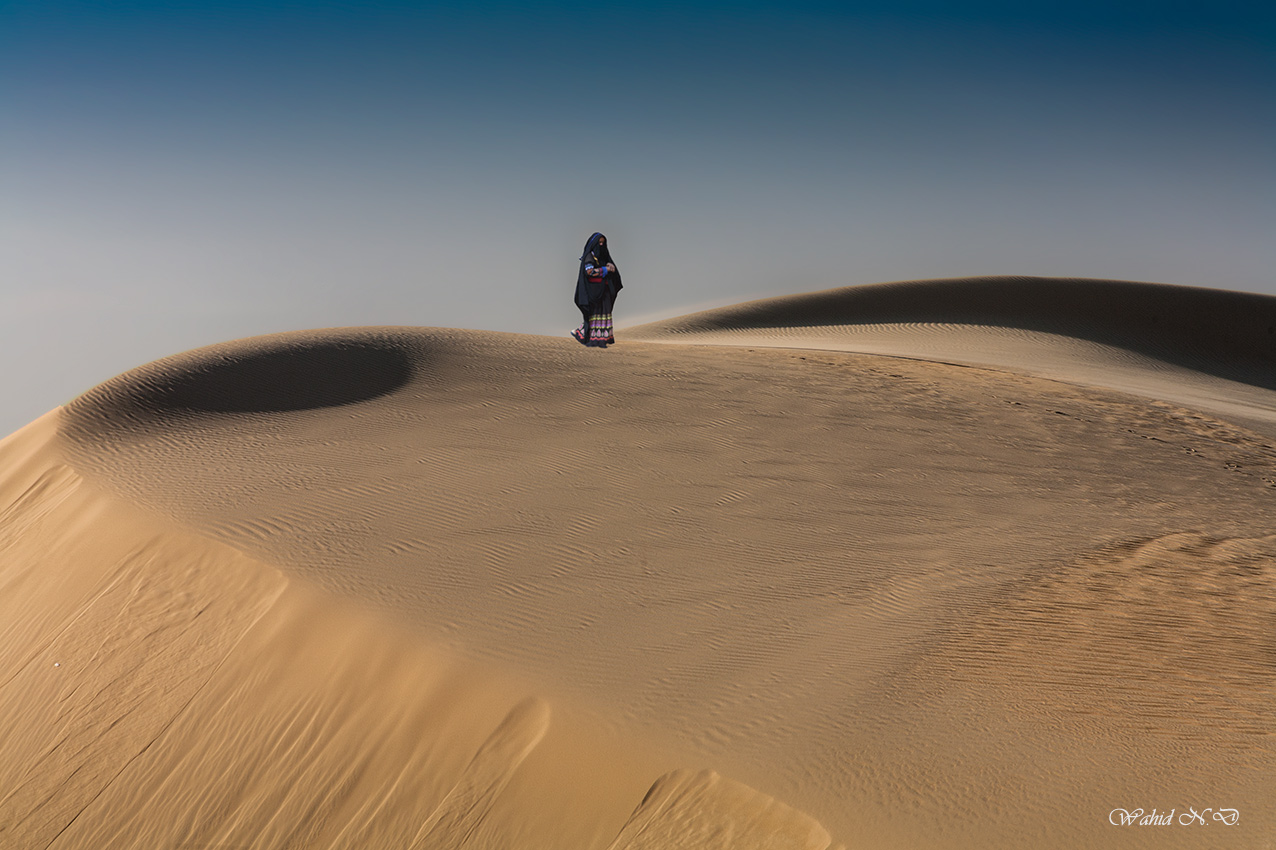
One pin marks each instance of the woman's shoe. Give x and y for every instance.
(580, 337)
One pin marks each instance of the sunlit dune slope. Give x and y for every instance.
(163, 690)
(404, 587)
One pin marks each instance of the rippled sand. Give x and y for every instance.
(945, 564)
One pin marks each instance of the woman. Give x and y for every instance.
(596, 288)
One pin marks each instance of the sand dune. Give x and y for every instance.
(1208, 329)
(406, 587)
(1200, 347)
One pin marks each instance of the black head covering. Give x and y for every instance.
(590, 293)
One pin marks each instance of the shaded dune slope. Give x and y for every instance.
(1228, 334)
(826, 578)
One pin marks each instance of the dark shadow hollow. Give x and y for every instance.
(297, 376)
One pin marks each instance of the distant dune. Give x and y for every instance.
(1204, 347)
(739, 581)
(1209, 329)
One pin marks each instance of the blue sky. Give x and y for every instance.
(178, 174)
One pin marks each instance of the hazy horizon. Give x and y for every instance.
(174, 176)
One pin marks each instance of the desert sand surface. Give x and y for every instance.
(942, 564)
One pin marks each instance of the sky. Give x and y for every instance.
(175, 174)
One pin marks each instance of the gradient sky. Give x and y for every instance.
(179, 174)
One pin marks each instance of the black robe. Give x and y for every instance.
(596, 296)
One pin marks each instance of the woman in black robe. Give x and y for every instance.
(596, 288)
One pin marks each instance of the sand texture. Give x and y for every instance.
(938, 564)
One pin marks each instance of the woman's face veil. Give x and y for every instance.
(592, 246)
